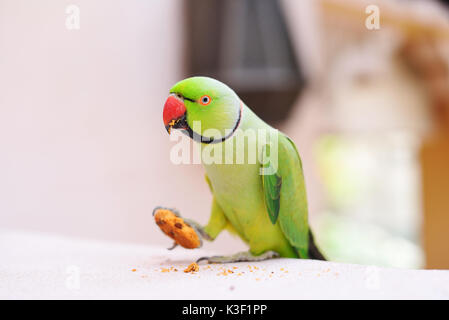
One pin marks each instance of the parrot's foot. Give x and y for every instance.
(185, 232)
(240, 257)
(176, 228)
(199, 229)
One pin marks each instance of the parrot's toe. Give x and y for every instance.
(175, 244)
(199, 230)
(174, 211)
(240, 257)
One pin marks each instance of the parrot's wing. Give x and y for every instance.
(285, 194)
(271, 187)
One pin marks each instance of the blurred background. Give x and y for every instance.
(362, 87)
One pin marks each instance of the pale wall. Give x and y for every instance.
(83, 148)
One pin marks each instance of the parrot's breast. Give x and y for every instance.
(238, 190)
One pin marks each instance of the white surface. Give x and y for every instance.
(43, 266)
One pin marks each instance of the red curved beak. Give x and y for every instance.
(174, 113)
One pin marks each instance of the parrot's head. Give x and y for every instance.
(204, 108)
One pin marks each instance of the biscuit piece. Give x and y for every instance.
(192, 268)
(177, 229)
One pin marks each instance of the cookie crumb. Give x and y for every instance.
(193, 267)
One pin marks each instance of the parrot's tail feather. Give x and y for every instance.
(314, 252)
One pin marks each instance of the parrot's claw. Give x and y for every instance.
(240, 257)
(175, 212)
(173, 246)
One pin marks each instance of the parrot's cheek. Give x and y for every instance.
(174, 114)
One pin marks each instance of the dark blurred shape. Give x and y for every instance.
(245, 43)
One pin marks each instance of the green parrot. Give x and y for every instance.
(254, 173)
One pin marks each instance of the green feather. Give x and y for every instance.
(284, 194)
(293, 216)
(272, 187)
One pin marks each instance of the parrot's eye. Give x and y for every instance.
(205, 100)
